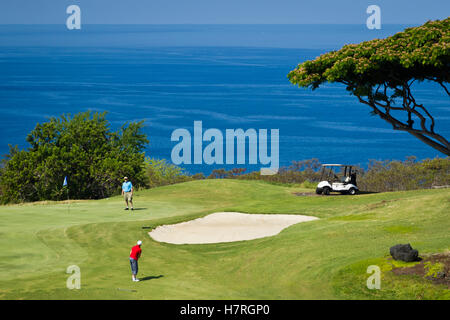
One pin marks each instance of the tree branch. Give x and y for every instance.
(443, 145)
(443, 86)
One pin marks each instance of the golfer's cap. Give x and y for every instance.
(125, 178)
(139, 242)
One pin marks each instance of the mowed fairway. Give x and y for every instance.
(322, 259)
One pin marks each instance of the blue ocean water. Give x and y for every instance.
(227, 76)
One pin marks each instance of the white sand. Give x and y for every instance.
(226, 227)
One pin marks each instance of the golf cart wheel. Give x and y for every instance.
(326, 191)
(319, 190)
(352, 191)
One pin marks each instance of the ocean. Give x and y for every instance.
(227, 76)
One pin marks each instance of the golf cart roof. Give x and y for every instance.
(336, 165)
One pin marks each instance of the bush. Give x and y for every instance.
(81, 147)
(405, 175)
(161, 173)
(298, 172)
(222, 173)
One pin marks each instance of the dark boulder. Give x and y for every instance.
(404, 252)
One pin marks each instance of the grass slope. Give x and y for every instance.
(323, 259)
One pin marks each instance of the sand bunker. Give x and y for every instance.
(226, 227)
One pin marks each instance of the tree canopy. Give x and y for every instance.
(82, 148)
(381, 72)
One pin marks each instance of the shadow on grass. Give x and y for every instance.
(346, 194)
(151, 277)
(333, 194)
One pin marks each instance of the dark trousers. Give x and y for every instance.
(134, 266)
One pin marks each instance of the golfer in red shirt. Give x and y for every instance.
(134, 257)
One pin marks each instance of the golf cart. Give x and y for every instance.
(337, 178)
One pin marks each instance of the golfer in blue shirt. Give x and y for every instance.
(127, 192)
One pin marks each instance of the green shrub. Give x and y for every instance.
(161, 173)
(405, 175)
(297, 173)
(81, 147)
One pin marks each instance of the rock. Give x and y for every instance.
(404, 252)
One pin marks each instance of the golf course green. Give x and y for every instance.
(321, 259)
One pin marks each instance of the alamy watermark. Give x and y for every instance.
(73, 281)
(213, 152)
(374, 281)
(374, 20)
(74, 20)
